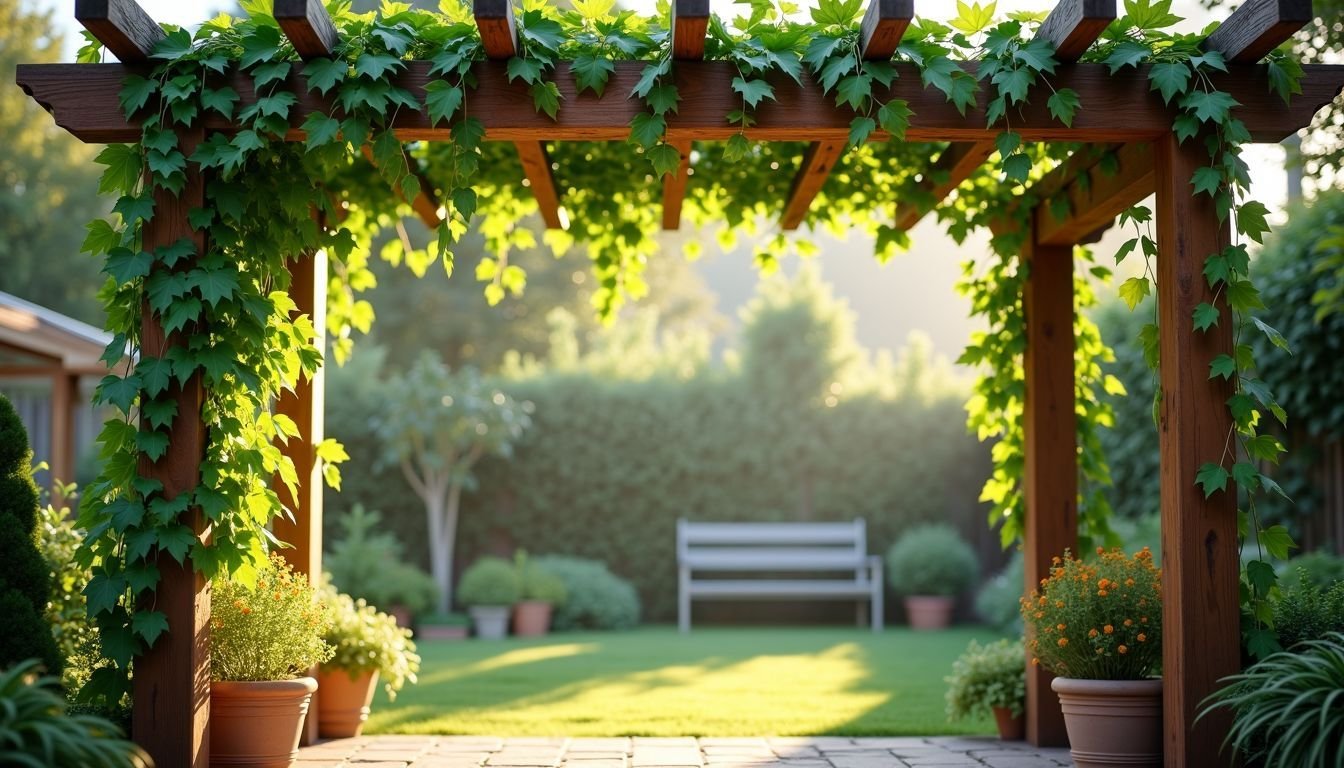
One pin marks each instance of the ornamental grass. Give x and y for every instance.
(1099, 619)
(272, 631)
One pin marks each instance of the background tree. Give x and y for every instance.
(438, 426)
(48, 181)
(24, 581)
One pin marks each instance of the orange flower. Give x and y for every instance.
(1092, 632)
(1143, 638)
(246, 610)
(1129, 582)
(1040, 614)
(1122, 649)
(1035, 662)
(1108, 629)
(1101, 593)
(1063, 641)
(1060, 627)
(1129, 622)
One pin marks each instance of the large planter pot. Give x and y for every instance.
(257, 724)
(491, 621)
(1112, 722)
(929, 611)
(344, 704)
(1010, 728)
(531, 618)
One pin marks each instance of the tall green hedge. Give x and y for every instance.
(24, 581)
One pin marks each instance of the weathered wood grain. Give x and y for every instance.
(1258, 27)
(883, 26)
(308, 26)
(690, 20)
(1073, 25)
(957, 162)
(122, 26)
(494, 19)
(1096, 200)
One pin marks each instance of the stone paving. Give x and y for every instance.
(679, 752)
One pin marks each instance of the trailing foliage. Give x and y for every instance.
(364, 639)
(986, 677)
(37, 732)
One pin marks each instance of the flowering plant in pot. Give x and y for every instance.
(541, 591)
(930, 565)
(1098, 626)
(990, 679)
(368, 645)
(263, 641)
(489, 588)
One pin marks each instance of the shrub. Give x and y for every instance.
(1098, 620)
(931, 560)
(76, 637)
(538, 582)
(998, 603)
(1319, 568)
(36, 730)
(24, 581)
(272, 631)
(371, 565)
(1309, 612)
(489, 581)
(1286, 709)
(985, 677)
(451, 619)
(362, 640)
(595, 598)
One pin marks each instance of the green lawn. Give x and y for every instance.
(713, 682)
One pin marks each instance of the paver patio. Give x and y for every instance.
(677, 752)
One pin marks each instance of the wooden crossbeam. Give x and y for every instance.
(674, 186)
(308, 26)
(122, 26)
(537, 168)
(1120, 108)
(884, 23)
(1258, 27)
(820, 157)
(690, 20)
(494, 19)
(1095, 202)
(1073, 25)
(953, 166)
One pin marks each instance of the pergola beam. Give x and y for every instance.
(1258, 27)
(494, 19)
(308, 26)
(674, 186)
(884, 24)
(122, 26)
(537, 168)
(1071, 27)
(820, 157)
(1095, 197)
(424, 206)
(690, 21)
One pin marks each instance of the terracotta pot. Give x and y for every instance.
(1010, 728)
(491, 621)
(929, 611)
(344, 704)
(531, 618)
(1112, 722)
(257, 724)
(441, 632)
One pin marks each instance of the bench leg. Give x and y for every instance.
(860, 613)
(877, 607)
(684, 601)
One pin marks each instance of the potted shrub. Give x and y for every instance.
(263, 641)
(443, 626)
(489, 588)
(368, 645)
(929, 566)
(990, 679)
(1098, 626)
(541, 591)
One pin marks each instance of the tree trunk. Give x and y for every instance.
(447, 538)
(440, 557)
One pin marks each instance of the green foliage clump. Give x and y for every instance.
(271, 631)
(595, 598)
(363, 639)
(1286, 708)
(37, 731)
(489, 581)
(76, 636)
(538, 582)
(985, 677)
(24, 579)
(998, 603)
(369, 564)
(931, 560)
(1309, 612)
(1319, 568)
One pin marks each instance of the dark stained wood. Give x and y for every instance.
(308, 26)
(122, 26)
(1120, 108)
(1050, 482)
(1073, 25)
(820, 157)
(1258, 27)
(494, 18)
(884, 23)
(304, 406)
(537, 168)
(690, 20)
(1200, 568)
(64, 392)
(674, 187)
(1096, 201)
(957, 162)
(171, 717)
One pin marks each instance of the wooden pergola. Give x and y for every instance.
(1199, 536)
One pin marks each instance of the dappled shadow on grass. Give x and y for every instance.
(712, 682)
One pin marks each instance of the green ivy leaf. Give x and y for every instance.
(647, 130)
(123, 169)
(753, 91)
(377, 66)
(1209, 106)
(263, 44)
(546, 98)
(1243, 411)
(1246, 476)
(1224, 366)
(649, 77)
(103, 591)
(176, 540)
(1134, 290)
(155, 373)
(135, 93)
(736, 148)
(124, 265)
(1264, 448)
(1127, 54)
(859, 130)
(442, 100)
(159, 413)
(1261, 576)
(894, 117)
(836, 12)
(1277, 541)
(1207, 181)
(1205, 316)
(1273, 335)
(1169, 79)
(1017, 168)
(135, 209)
(591, 73)
(1251, 220)
(125, 513)
(1243, 296)
(118, 392)
(1211, 477)
(151, 443)
(149, 624)
(323, 74)
(528, 70)
(101, 238)
(663, 98)
(1063, 105)
(854, 91)
(270, 72)
(173, 45)
(665, 158)
(320, 129)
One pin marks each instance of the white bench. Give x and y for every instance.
(743, 549)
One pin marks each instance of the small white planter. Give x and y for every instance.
(491, 621)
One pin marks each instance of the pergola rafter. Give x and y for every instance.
(1120, 114)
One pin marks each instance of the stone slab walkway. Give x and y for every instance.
(681, 752)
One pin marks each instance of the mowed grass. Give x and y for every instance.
(713, 682)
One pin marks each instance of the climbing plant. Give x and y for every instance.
(223, 297)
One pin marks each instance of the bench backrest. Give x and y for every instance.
(772, 546)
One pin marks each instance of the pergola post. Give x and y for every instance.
(1051, 466)
(64, 390)
(171, 717)
(304, 406)
(1200, 567)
